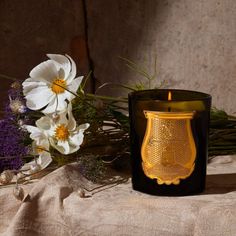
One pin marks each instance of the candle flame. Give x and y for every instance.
(169, 96)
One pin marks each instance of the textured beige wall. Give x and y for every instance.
(195, 43)
(30, 28)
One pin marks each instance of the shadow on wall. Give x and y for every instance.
(122, 28)
(194, 42)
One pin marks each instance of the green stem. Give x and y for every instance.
(232, 117)
(8, 77)
(90, 95)
(222, 147)
(85, 80)
(114, 84)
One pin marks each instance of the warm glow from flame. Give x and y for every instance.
(169, 96)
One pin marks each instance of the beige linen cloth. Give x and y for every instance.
(53, 207)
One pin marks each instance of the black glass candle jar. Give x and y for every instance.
(169, 140)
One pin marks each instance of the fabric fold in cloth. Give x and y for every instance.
(53, 206)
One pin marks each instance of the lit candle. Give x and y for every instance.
(169, 96)
(169, 99)
(169, 134)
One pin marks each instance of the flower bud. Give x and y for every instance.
(17, 106)
(16, 85)
(18, 193)
(6, 177)
(81, 192)
(21, 122)
(22, 109)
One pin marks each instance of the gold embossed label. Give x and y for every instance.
(168, 149)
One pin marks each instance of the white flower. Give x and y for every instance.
(49, 84)
(40, 147)
(64, 135)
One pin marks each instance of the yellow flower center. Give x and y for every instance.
(39, 149)
(58, 86)
(62, 132)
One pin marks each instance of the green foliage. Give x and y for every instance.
(222, 137)
(121, 118)
(142, 71)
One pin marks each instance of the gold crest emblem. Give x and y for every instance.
(168, 149)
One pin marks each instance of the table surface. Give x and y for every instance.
(53, 206)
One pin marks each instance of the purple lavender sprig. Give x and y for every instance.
(11, 145)
(12, 137)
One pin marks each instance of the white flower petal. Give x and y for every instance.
(32, 129)
(57, 104)
(35, 133)
(61, 59)
(83, 127)
(36, 136)
(62, 118)
(43, 142)
(69, 96)
(65, 146)
(45, 71)
(72, 72)
(40, 143)
(62, 146)
(46, 125)
(62, 104)
(73, 148)
(77, 139)
(26, 167)
(45, 159)
(74, 85)
(51, 107)
(30, 84)
(72, 88)
(38, 97)
(39, 137)
(71, 119)
(61, 62)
